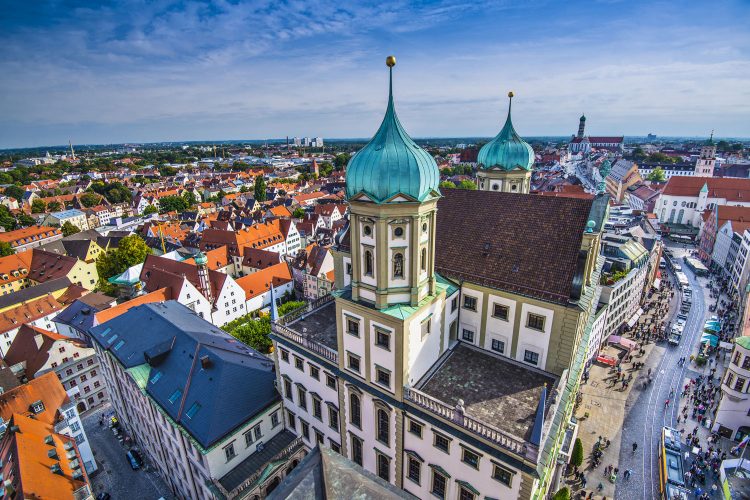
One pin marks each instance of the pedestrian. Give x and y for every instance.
(627, 473)
(635, 446)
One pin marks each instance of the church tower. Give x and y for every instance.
(392, 188)
(581, 126)
(505, 162)
(704, 166)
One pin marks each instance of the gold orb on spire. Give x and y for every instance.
(510, 94)
(390, 61)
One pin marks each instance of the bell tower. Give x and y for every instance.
(704, 166)
(581, 126)
(392, 187)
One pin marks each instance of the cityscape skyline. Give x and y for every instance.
(181, 71)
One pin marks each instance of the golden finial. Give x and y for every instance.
(510, 94)
(390, 61)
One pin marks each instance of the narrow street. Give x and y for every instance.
(115, 475)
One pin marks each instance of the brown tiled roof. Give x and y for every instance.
(729, 188)
(260, 282)
(29, 234)
(159, 272)
(525, 244)
(26, 458)
(259, 259)
(28, 312)
(25, 348)
(46, 388)
(160, 295)
(46, 266)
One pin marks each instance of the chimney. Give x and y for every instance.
(206, 362)
(39, 340)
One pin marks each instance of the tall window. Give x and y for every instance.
(355, 410)
(423, 260)
(368, 263)
(398, 265)
(356, 450)
(439, 483)
(384, 467)
(383, 430)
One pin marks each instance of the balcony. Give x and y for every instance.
(313, 327)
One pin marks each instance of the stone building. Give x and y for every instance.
(448, 359)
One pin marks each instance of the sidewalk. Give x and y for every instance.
(605, 403)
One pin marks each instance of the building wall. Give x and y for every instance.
(45, 322)
(73, 427)
(734, 405)
(230, 304)
(76, 366)
(721, 245)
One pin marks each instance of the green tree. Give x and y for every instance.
(54, 206)
(259, 193)
(657, 175)
(89, 200)
(7, 221)
(341, 160)
(38, 206)
(465, 184)
(167, 171)
(255, 334)
(244, 189)
(5, 178)
(447, 185)
(68, 229)
(24, 220)
(562, 494)
(661, 158)
(722, 145)
(638, 153)
(150, 210)
(16, 192)
(172, 203)
(325, 169)
(131, 250)
(576, 457)
(6, 249)
(298, 213)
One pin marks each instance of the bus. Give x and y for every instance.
(671, 472)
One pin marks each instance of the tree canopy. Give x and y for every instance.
(16, 192)
(131, 250)
(38, 206)
(173, 203)
(466, 184)
(6, 249)
(68, 228)
(89, 200)
(259, 192)
(657, 175)
(447, 185)
(150, 210)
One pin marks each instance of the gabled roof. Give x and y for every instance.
(28, 312)
(257, 283)
(45, 388)
(46, 266)
(34, 292)
(160, 295)
(536, 254)
(15, 267)
(32, 460)
(25, 348)
(29, 234)
(259, 259)
(159, 272)
(730, 188)
(209, 383)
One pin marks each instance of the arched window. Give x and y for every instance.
(383, 430)
(355, 410)
(398, 265)
(368, 263)
(423, 260)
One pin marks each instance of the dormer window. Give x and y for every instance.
(37, 407)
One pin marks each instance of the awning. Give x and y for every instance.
(635, 317)
(656, 284)
(726, 345)
(712, 340)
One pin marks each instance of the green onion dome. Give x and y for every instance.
(392, 164)
(507, 151)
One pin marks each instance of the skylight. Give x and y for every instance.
(175, 396)
(156, 377)
(119, 344)
(193, 410)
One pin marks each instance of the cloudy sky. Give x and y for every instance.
(156, 70)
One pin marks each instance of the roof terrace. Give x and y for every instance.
(313, 327)
(491, 395)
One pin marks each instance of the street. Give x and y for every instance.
(115, 475)
(647, 415)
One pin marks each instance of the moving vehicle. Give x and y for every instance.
(135, 459)
(678, 327)
(671, 468)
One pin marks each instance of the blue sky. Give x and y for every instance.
(143, 71)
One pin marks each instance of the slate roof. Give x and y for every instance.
(326, 475)
(519, 243)
(79, 315)
(256, 460)
(46, 266)
(258, 258)
(33, 292)
(233, 384)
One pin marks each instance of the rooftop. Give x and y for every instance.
(495, 389)
(319, 326)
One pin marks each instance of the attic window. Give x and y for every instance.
(193, 410)
(175, 396)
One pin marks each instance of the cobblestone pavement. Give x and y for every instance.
(115, 475)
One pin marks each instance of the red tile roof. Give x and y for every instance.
(28, 312)
(160, 295)
(46, 388)
(260, 282)
(28, 234)
(730, 188)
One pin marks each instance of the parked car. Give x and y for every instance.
(135, 459)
